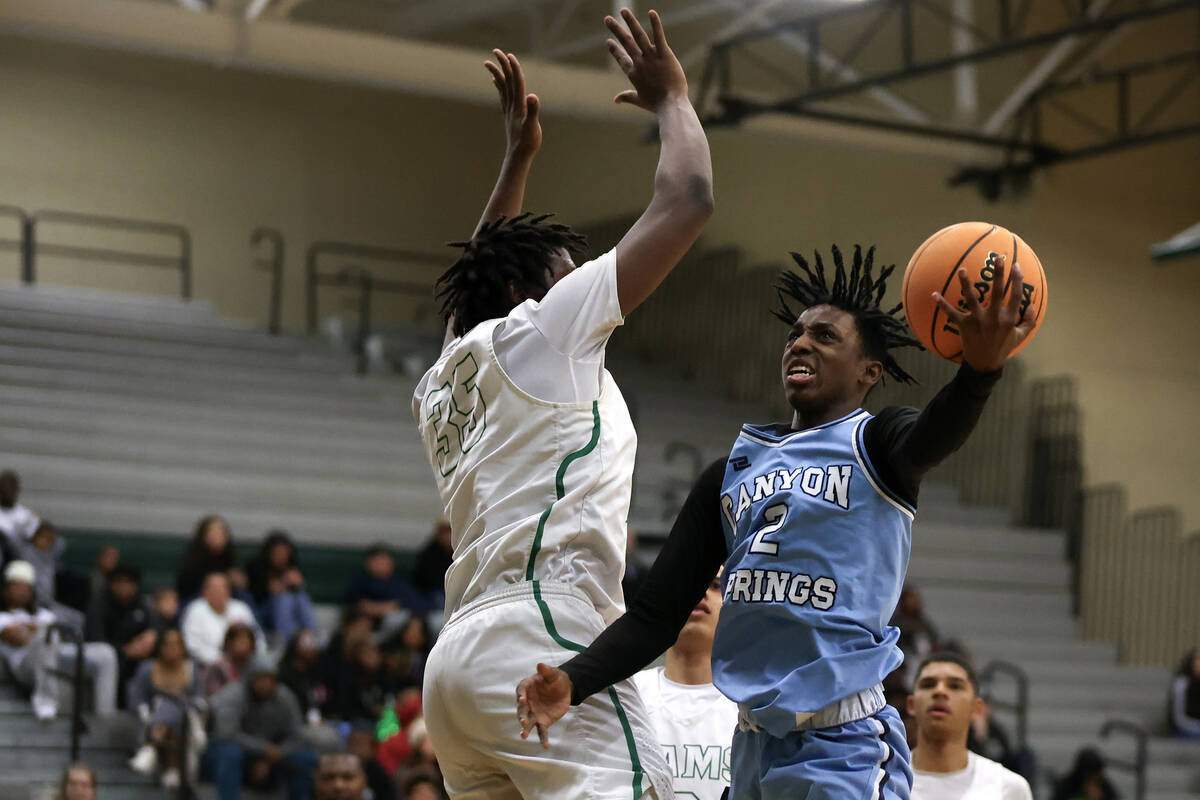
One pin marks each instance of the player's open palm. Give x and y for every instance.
(542, 699)
(646, 60)
(522, 126)
(989, 333)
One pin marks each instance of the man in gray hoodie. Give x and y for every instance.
(257, 737)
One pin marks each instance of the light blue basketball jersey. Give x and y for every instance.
(818, 552)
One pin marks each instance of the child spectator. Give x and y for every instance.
(277, 587)
(32, 654)
(170, 672)
(258, 738)
(211, 550)
(429, 576)
(361, 742)
(237, 650)
(407, 652)
(166, 608)
(300, 671)
(78, 783)
(124, 619)
(17, 523)
(383, 595)
(1087, 780)
(206, 619)
(1184, 713)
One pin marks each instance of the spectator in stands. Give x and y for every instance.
(122, 617)
(17, 523)
(78, 783)
(918, 636)
(383, 595)
(33, 652)
(277, 586)
(636, 568)
(107, 557)
(944, 698)
(335, 663)
(408, 651)
(422, 762)
(166, 608)
(206, 619)
(435, 558)
(211, 550)
(43, 550)
(395, 730)
(1086, 780)
(237, 650)
(1184, 712)
(340, 776)
(362, 744)
(300, 671)
(421, 786)
(172, 673)
(360, 697)
(258, 737)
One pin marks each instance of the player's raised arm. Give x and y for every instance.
(683, 193)
(678, 579)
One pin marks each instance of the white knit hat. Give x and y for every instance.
(21, 571)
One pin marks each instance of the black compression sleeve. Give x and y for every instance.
(685, 567)
(904, 444)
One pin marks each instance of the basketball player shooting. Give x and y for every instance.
(532, 449)
(813, 522)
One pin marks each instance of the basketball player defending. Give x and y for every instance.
(692, 719)
(813, 521)
(532, 449)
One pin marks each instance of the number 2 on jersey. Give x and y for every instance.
(775, 516)
(458, 413)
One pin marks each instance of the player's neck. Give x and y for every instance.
(940, 756)
(803, 419)
(689, 667)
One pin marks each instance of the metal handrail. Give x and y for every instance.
(185, 787)
(20, 244)
(77, 727)
(313, 278)
(1138, 765)
(182, 262)
(274, 265)
(1020, 706)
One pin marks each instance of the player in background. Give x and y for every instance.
(532, 449)
(945, 696)
(693, 720)
(813, 521)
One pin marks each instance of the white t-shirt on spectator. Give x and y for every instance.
(694, 724)
(204, 629)
(983, 779)
(18, 523)
(19, 616)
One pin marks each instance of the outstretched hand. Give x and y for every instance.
(989, 333)
(649, 63)
(522, 126)
(542, 699)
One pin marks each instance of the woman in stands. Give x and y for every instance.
(1184, 712)
(281, 602)
(171, 673)
(237, 650)
(211, 550)
(78, 783)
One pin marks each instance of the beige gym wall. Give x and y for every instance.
(222, 151)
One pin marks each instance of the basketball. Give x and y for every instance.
(978, 247)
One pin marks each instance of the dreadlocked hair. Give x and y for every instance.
(517, 251)
(856, 292)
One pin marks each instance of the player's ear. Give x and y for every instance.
(910, 703)
(977, 706)
(870, 372)
(515, 294)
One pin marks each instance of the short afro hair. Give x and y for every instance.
(949, 657)
(856, 292)
(503, 251)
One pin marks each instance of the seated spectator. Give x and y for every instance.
(421, 786)
(1184, 712)
(258, 738)
(394, 729)
(166, 608)
(1087, 780)
(124, 619)
(945, 695)
(363, 692)
(300, 671)
(340, 776)
(383, 595)
(206, 619)
(277, 586)
(78, 783)
(33, 652)
(422, 763)
(636, 568)
(918, 636)
(17, 523)
(361, 742)
(429, 576)
(107, 557)
(172, 673)
(407, 652)
(211, 550)
(237, 651)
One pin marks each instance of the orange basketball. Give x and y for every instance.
(977, 247)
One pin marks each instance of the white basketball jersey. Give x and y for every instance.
(534, 490)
